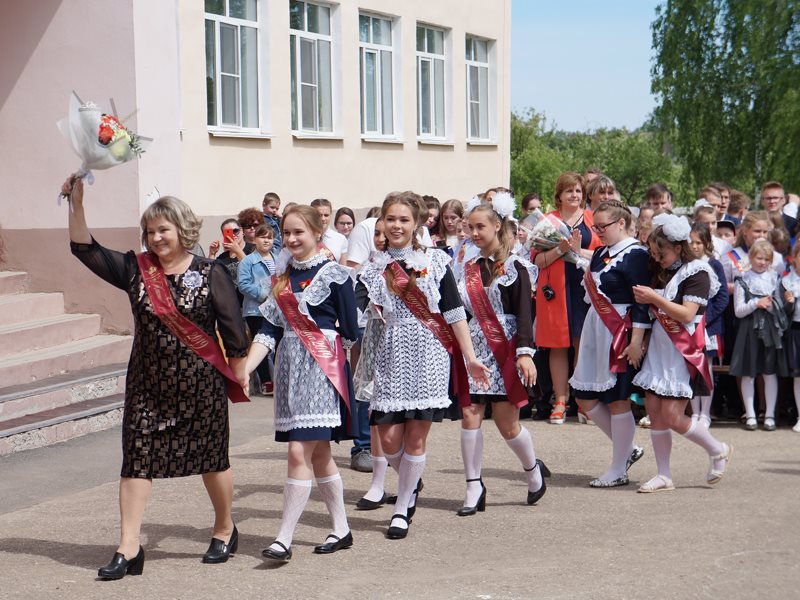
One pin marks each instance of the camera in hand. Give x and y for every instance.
(548, 292)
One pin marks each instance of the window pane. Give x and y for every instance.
(297, 15)
(424, 96)
(438, 43)
(472, 108)
(370, 91)
(382, 32)
(211, 74)
(293, 69)
(387, 99)
(216, 7)
(319, 19)
(420, 39)
(481, 54)
(429, 40)
(484, 112)
(249, 77)
(363, 28)
(472, 80)
(242, 9)
(308, 68)
(438, 79)
(468, 49)
(230, 100)
(228, 49)
(325, 91)
(361, 88)
(308, 94)
(325, 20)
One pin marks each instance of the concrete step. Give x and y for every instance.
(61, 390)
(32, 335)
(18, 308)
(60, 424)
(12, 282)
(34, 365)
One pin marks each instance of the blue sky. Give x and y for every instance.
(584, 63)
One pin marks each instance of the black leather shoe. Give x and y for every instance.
(413, 509)
(119, 567)
(365, 504)
(337, 544)
(466, 511)
(284, 555)
(398, 533)
(534, 497)
(219, 551)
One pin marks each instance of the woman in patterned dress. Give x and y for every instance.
(175, 420)
(411, 379)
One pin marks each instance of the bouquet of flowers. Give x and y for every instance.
(99, 139)
(545, 232)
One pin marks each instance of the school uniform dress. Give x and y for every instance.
(510, 297)
(307, 406)
(791, 282)
(759, 344)
(412, 368)
(664, 371)
(615, 270)
(736, 263)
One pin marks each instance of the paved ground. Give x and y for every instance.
(741, 539)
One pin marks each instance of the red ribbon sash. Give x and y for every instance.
(197, 340)
(503, 349)
(691, 347)
(330, 360)
(417, 303)
(616, 325)
(735, 260)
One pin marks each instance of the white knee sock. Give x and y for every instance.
(411, 469)
(295, 497)
(703, 438)
(705, 406)
(623, 430)
(522, 446)
(748, 393)
(601, 417)
(695, 402)
(770, 395)
(394, 459)
(472, 455)
(662, 448)
(332, 490)
(379, 468)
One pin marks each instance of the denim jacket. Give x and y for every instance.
(275, 223)
(254, 272)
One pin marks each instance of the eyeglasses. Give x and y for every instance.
(236, 231)
(602, 228)
(250, 226)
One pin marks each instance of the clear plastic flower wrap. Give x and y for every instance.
(99, 139)
(546, 232)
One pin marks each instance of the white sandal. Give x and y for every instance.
(659, 483)
(713, 475)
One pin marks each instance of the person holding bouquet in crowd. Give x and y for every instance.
(175, 419)
(612, 344)
(496, 291)
(676, 367)
(424, 338)
(560, 307)
(310, 295)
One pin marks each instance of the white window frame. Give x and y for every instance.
(489, 134)
(295, 37)
(393, 49)
(232, 129)
(431, 57)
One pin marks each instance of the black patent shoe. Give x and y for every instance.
(480, 506)
(534, 497)
(398, 533)
(219, 551)
(119, 566)
(365, 504)
(413, 509)
(337, 544)
(283, 555)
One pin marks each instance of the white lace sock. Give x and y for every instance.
(601, 417)
(662, 448)
(332, 490)
(695, 402)
(394, 459)
(748, 393)
(623, 430)
(411, 469)
(472, 455)
(295, 497)
(703, 438)
(770, 395)
(705, 407)
(379, 467)
(522, 446)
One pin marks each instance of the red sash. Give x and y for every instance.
(330, 360)
(691, 347)
(616, 325)
(197, 340)
(417, 303)
(503, 350)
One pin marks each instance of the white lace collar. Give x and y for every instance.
(620, 246)
(761, 284)
(399, 253)
(309, 263)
